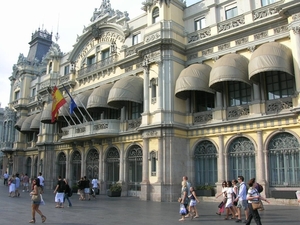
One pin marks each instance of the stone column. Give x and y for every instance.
(146, 66)
(160, 161)
(145, 179)
(221, 164)
(259, 159)
(121, 177)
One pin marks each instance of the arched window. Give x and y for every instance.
(135, 167)
(76, 166)
(61, 165)
(284, 160)
(92, 164)
(241, 159)
(155, 15)
(112, 165)
(206, 166)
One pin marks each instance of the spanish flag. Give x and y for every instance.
(58, 101)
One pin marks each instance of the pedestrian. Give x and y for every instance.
(87, 188)
(81, 189)
(68, 193)
(59, 193)
(36, 201)
(221, 205)
(188, 184)
(229, 201)
(26, 183)
(184, 200)
(18, 183)
(252, 197)
(193, 202)
(5, 177)
(242, 199)
(12, 185)
(235, 190)
(42, 181)
(95, 186)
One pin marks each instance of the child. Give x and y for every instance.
(193, 202)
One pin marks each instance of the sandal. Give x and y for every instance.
(43, 219)
(32, 221)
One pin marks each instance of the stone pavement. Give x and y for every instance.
(126, 211)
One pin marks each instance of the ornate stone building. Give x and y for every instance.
(210, 91)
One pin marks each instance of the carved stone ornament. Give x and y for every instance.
(96, 32)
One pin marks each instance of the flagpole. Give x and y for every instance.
(83, 107)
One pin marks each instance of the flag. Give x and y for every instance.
(73, 104)
(58, 101)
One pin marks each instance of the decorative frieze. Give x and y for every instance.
(227, 25)
(101, 126)
(224, 46)
(193, 56)
(152, 37)
(296, 17)
(275, 106)
(207, 51)
(203, 33)
(238, 111)
(262, 13)
(203, 117)
(260, 35)
(133, 124)
(281, 29)
(242, 41)
(151, 133)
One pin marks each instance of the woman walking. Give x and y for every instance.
(229, 202)
(184, 200)
(36, 200)
(253, 196)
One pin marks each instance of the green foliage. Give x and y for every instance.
(115, 188)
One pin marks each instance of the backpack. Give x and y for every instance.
(259, 188)
(69, 191)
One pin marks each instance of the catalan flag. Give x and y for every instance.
(58, 101)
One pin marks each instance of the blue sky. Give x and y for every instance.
(19, 19)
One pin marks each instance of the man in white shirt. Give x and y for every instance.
(242, 199)
(95, 186)
(5, 176)
(42, 183)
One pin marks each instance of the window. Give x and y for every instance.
(76, 166)
(200, 24)
(33, 92)
(267, 2)
(136, 38)
(239, 93)
(91, 60)
(279, 84)
(135, 168)
(153, 83)
(92, 164)
(206, 165)
(17, 95)
(204, 101)
(284, 158)
(153, 163)
(105, 54)
(136, 110)
(112, 166)
(50, 67)
(67, 70)
(242, 158)
(61, 164)
(155, 15)
(231, 11)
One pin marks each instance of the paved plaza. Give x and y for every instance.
(126, 211)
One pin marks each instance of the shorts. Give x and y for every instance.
(87, 190)
(193, 202)
(242, 204)
(59, 197)
(36, 202)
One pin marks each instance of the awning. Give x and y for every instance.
(46, 114)
(27, 123)
(270, 57)
(98, 98)
(231, 67)
(127, 89)
(193, 78)
(19, 123)
(82, 98)
(35, 124)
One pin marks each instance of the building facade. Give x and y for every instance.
(210, 91)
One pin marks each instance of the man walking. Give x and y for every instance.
(5, 176)
(242, 199)
(42, 181)
(59, 193)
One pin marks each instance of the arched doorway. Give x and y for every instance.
(61, 165)
(112, 166)
(76, 166)
(241, 159)
(28, 166)
(284, 156)
(206, 166)
(135, 170)
(92, 164)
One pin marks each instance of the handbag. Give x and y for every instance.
(36, 198)
(42, 200)
(182, 209)
(256, 205)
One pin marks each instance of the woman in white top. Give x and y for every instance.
(229, 203)
(222, 204)
(253, 196)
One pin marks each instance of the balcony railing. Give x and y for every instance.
(277, 105)
(98, 66)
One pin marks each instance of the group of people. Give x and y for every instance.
(15, 183)
(86, 189)
(237, 196)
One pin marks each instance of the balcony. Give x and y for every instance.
(103, 128)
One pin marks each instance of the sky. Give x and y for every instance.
(19, 19)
